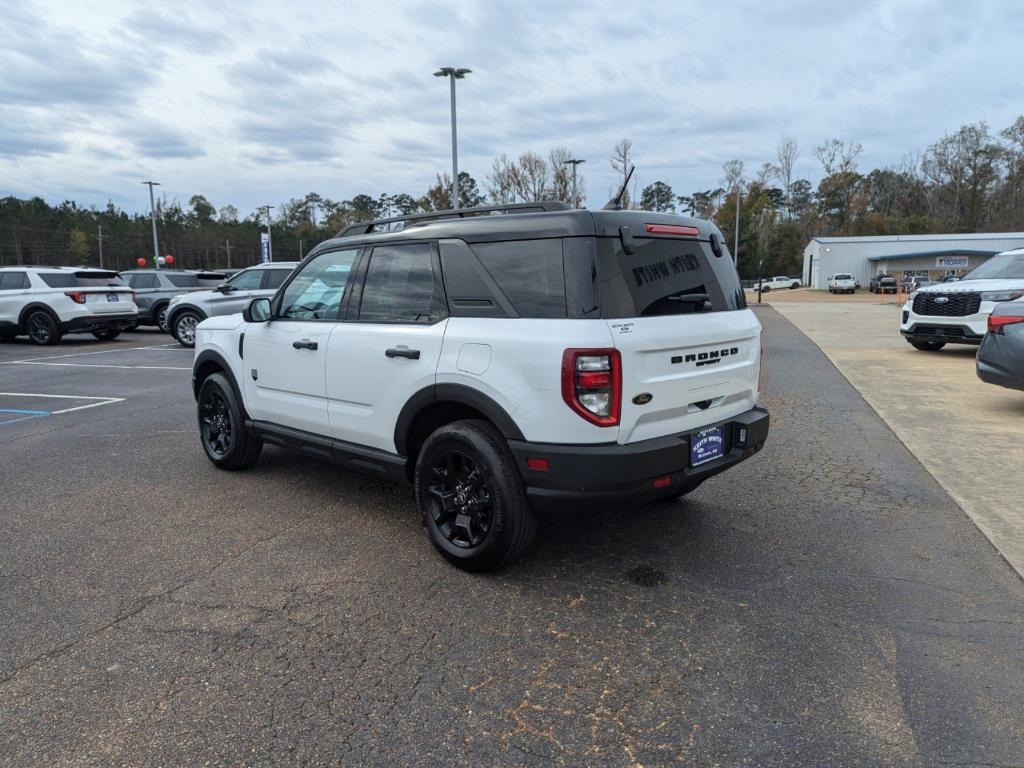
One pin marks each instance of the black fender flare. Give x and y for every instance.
(30, 308)
(452, 393)
(172, 316)
(210, 356)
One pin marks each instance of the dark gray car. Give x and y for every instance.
(154, 289)
(1001, 355)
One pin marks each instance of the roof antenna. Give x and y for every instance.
(615, 204)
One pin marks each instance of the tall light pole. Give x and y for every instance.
(574, 162)
(454, 74)
(270, 249)
(736, 237)
(152, 216)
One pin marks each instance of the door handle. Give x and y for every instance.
(412, 354)
(305, 344)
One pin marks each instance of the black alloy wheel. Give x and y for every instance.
(461, 501)
(215, 421)
(42, 329)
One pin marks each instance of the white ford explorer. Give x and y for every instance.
(502, 364)
(957, 313)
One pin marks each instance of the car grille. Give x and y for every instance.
(947, 304)
(946, 332)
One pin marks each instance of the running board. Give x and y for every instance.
(359, 458)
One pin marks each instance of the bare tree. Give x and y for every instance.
(733, 170)
(838, 156)
(561, 175)
(531, 177)
(501, 181)
(766, 174)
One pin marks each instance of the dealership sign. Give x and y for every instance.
(264, 247)
(951, 262)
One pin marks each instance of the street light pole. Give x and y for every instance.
(574, 162)
(736, 237)
(453, 74)
(152, 215)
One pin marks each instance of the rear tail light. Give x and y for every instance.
(672, 229)
(76, 296)
(996, 323)
(592, 384)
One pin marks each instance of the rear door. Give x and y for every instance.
(285, 358)
(690, 349)
(237, 293)
(389, 347)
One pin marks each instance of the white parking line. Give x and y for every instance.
(154, 348)
(99, 401)
(102, 365)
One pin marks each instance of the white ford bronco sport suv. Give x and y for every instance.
(44, 303)
(504, 364)
(957, 313)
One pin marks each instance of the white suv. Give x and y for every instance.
(44, 303)
(503, 364)
(957, 313)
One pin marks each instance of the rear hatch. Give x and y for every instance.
(690, 348)
(104, 292)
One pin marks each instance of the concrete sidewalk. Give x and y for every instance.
(968, 434)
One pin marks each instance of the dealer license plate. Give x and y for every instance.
(706, 445)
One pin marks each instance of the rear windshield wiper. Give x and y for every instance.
(690, 297)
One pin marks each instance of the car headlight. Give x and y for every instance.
(1001, 295)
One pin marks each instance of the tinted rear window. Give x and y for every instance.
(275, 278)
(183, 281)
(58, 279)
(665, 277)
(529, 273)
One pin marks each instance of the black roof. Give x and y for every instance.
(525, 226)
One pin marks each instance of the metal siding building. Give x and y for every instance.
(863, 257)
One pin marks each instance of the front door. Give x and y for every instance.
(390, 346)
(285, 358)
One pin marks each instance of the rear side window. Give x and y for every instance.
(400, 286)
(12, 281)
(58, 279)
(665, 276)
(183, 281)
(529, 273)
(274, 278)
(95, 278)
(142, 281)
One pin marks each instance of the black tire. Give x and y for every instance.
(108, 334)
(160, 316)
(222, 431)
(471, 497)
(42, 328)
(766, 289)
(794, 286)
(928, 346)
(185, 327)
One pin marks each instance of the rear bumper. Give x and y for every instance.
(1001, 361)
(87, 323)
(610, 473)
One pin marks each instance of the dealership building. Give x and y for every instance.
(902, 255)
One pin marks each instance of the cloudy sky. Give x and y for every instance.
(253, 102)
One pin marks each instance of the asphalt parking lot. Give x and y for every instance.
(826, 603)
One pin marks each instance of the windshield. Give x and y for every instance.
(1004, 266)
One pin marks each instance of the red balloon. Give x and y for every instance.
(141, 262)
(169, 259)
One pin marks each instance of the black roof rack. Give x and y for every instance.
(366, 227)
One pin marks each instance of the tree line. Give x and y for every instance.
(970, 180)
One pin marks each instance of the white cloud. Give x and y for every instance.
(253, 102)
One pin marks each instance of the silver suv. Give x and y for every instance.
(187, 310)
(154, 289)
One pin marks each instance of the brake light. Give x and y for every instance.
(76, 296)
(672, 229)
(592, 384)
(996, 323)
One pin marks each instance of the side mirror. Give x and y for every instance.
(258, 311)
(223, 288)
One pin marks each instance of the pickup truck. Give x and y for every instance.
(775, 283)
(842, 283)
(883, 284)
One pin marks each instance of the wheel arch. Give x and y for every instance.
(28, 309)
(172, 315)
(441, 404)
(209, 362)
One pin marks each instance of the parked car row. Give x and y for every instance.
(45, 303)
(985, 308)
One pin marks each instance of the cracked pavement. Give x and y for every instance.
(824, 603)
